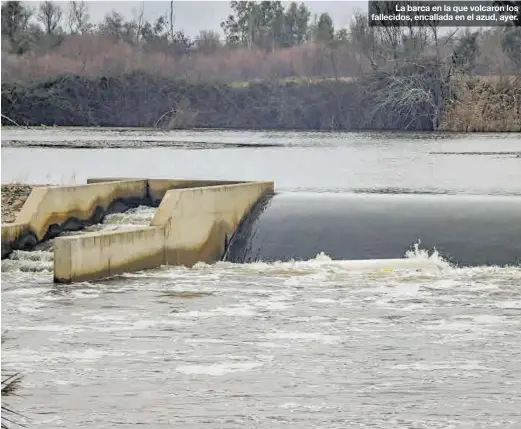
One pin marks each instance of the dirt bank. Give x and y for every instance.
(145, 100)
(13, 198)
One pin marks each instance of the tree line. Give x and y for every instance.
(262, 25)
(402, 77)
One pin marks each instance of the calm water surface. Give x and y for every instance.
(478, 163)
(293, 344)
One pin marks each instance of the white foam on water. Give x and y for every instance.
(324, 301)
(272, 305)
(232, 311)
(293, 406)
(36, 255)
(268, 345)
(469, 368)
(63, 382)
(204, 340)
(305, 337)
(141, 215)
(43, 328)
(218, 369)
(118, 325)
(102, 317)
(133, 218)
(488, 319)
(509, 305)
(27, 291)
(144, 324)
(458, 326)
(28, 262)
(28, 310)
(320, 268)
(90, 354)
(36, 261)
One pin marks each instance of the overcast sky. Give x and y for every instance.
(192, 16)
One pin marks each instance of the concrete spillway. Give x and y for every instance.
(243, 222)
(193, 222)
(467, 230)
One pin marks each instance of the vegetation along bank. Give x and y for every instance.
(276, 69)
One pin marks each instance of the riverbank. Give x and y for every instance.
(146, 100)
(373, 103)
(13, 198)
(480, 105)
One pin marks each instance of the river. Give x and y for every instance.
(291, 344)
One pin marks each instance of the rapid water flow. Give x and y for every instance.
(41, 259)
(293, 344)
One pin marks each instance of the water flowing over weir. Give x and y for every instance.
(41, 259)
(467, 230)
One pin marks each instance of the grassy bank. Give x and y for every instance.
(484, 105)
(376, 102)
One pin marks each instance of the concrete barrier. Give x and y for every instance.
(191, 224)
(194, 222)
(48, 206)
(158, 187)
(199, 222)
(16, 236)
(103, 254)
(50, 210)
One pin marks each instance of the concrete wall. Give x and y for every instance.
(158, 187)
(11, 231)
(54, 205)
(13, 235)
(104, 254)
(50, 210)
(190, 225)
(199, 221)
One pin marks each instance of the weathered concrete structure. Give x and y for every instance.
(50, 210)
(193, 222)
(103, 254)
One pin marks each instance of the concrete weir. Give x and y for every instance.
(193, 222)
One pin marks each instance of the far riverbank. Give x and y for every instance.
(145, 100)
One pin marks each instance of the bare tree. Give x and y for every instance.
(139, 21)
(15, 23)
(49, 15)
(411, 77)
(172, 18)
(364, 38)
(79, 19)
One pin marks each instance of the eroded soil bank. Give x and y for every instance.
(13, 199)
(136, 99)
